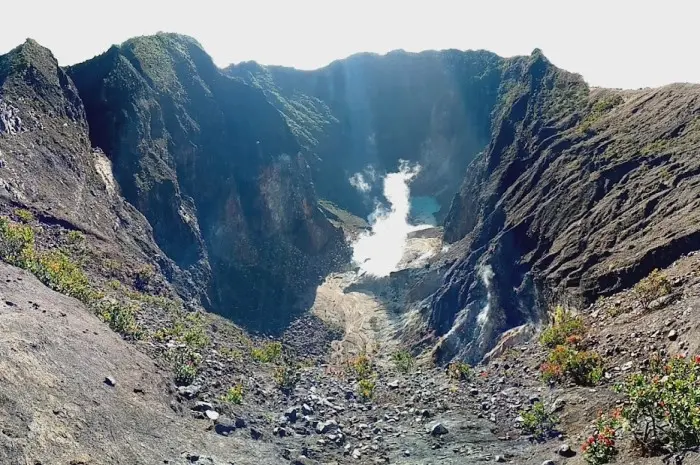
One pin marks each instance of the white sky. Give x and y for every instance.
(613, 43)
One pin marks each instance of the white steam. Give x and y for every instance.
(379, 251)
(486, 275)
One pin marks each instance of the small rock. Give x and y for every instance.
(109, 381)
(548, 462)
(500, 459)
(306, 410)
(324, 427)
(255, 433)
(356, 454)
(291, 414)
(201, 406)
(240, 423)
(672, 335)
(394, 384)
(565, 451)
(438, 429)
(224, 429)
(189, 392)
(212, 414)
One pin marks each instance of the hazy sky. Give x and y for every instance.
(615, 43)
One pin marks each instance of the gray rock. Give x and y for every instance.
(189, 392)
(356, 454)
(201, 406)
(500, 459)
(672, 335)
(438, 429)
(240, 423)
(324, 427)
(109, 381)
(393, 384)
(565, 451)
(307, 410)
(212, 414)
(291, 414)
(255, 433)
(548, 462)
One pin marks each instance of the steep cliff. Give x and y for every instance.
(216, 171)
(580, 193)
(48, 166)
(365, 113)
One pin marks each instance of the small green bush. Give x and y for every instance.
(196, 337)
(75, 237)
(365, 388)
(17, 244)
(582, 367)
(286, 377)
(360, 366)
(57, 271)
(186, 365)
(121, 318)
(565, 326)
(234, 395)
(652, 287)
(539, 421)
(459, 371)
(268, 353)
(144, 276)
(662, 405)
(403, 360)
(24, 215)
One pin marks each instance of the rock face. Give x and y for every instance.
(47, 163)
(216, 171)
(580, 193)
(365, 113)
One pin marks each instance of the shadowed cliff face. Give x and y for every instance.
(431, 108)
(217, 173)
(49, 167)
(579, 194)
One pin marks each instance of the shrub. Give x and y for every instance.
(268, 353)
(652, 287)
(539, 421)
(24, 215)
(286, 377)
(121, 318)
(75, 237)
(600, 447)
(565, 328)
(196, 337)
(234, 395)
(662, 405)
(186, 364)
(360, 366)
(16, 244)
(231, 354)
(459, 371)
(144, 276)
(57, 271)
(365, 388)
(582, 367)
(403, 360)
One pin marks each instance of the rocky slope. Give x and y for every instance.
(567, 206)
(216, 171)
